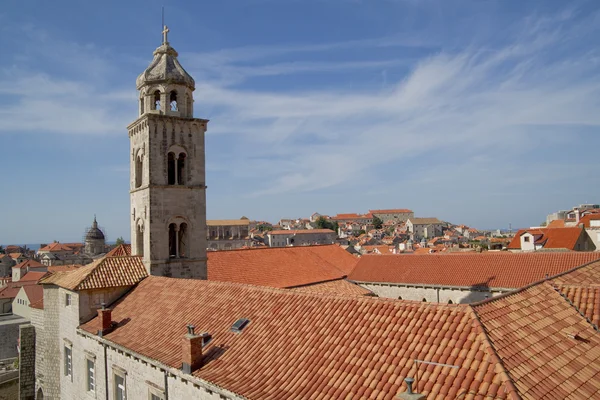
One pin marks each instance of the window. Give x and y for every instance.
(183, 238)
(156, 102)
(181, 169)
(67, 299)
(171, 168)
(155, 397)
(139, 240)
(69, 362)
(120, 392)
(91, 375)
(173, 100)
(139, 163)
(172, 241)
(142, 103)
(526, 238)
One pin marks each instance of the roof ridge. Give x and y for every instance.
(491, 350)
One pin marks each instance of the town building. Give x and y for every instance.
(536, 239)
(424, 228)
(19, 270)
(6, 264)
(393, 215)
(460, 277)
(227, 234)
(300, 237)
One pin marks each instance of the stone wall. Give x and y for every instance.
(27, 362)
(9, 335)
(9, 388)
(437, 294)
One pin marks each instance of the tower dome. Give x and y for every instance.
(165, 68)
(94, 240)
(94, 232)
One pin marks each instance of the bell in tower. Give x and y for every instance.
(168, 191)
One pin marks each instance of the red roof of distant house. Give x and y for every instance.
(299, 231)
(29, 264)
(34, 293)
(281, 267)
(557, 223)
(120, 250)
(585, 220)
(11, 290)
(489, 269)
(56, 246)
(337, 287)
(391, 211)
(62, 268)
(552, 238)
(33, 276)
(353, 216)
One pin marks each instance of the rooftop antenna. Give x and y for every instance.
(162, 25)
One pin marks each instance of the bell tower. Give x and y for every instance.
(168, 191)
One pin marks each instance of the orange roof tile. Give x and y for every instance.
(39, 304)
(102, 273)
(33, 276)
(56, 246)
(34, 293)
(280, 266)
(339, 286)
(501, 270)
(300, 345)
(553, 238)
(299, 231)
(530, 331)
(585, 298)
(585, 220)
(391, 211)
(62, 268)
(15, 255)
(11, 290)
(120, 250)
(29, 264)
(424, 221)
(557, 223)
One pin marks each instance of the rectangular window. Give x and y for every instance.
(155, 397)
(120, 393)
(68, 362)
(526, 238)
(91, 375)
(68, 299)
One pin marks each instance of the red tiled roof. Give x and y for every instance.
(39, 304)
(34, 293)
(530, 332)
(381, 249)
(11, 290)
(501, 270)
(102, 273)
(120, 250)
(280, 267)
(62, 268)
(301, 345)
(339, 287)
(557, 223)
(56, 246)
(29, 264)
(424, 221)
(554, 238)
(585, 220)
(299, 231)
(391, 211)
(352, 216)
(585, 298)
(33, 276)
(586, 275)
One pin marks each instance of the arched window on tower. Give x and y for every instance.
(156, 101)
(139, 163)
(183, 239)
(181, 169)
(173, 100)
(172, 241)
(171, 168)
(139, 240)
(142, 103)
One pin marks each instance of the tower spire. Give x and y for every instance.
(165, 32)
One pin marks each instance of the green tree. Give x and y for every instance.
(264, 228)
(323, 223)
(120, 241)
(1, 249)
(377, 222)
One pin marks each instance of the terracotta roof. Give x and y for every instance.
(352, 216)
(120, 250)
(391, 211)
(424, 221)
(15, 255)
(552, 238)
(34, 293)
(29, 264)
(11, 290)
(299, 231)
(585, 220)
(585, 298)
(38, 304)
(62, 268)
(56, 246)
(339, 286)
(557, 223)
(586, 275)
(530, 331)
(280, 266)
(491, 269)
(382, 249)
(228, 222)
(102, 273)
(301, 345)
(33, 276)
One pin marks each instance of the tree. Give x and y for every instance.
(264, 228)
(120, 241)
(323, 223)
(1, 249)
(377, 222)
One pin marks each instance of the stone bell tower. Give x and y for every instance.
(168, 191)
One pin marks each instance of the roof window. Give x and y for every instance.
(239, 325)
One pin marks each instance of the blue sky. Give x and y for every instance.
(477, 112)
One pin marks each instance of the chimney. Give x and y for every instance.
(191, 349)
(577, 216)
(105, 316)
(409, 394)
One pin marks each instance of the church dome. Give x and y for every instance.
(94, 232)
(165, 68)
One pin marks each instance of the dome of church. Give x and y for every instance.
(165, 68)
(94, 232)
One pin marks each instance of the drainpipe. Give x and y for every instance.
(166, 385)
(438, 295)
(105, 372)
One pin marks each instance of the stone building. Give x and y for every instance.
(538, 239)
(393, 215)
(424, 228)
(6, 264)
(168, 199)
(94, 240)
(228, 234)
(300, 237)
(460, 277)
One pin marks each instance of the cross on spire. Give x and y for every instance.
(165, 32)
